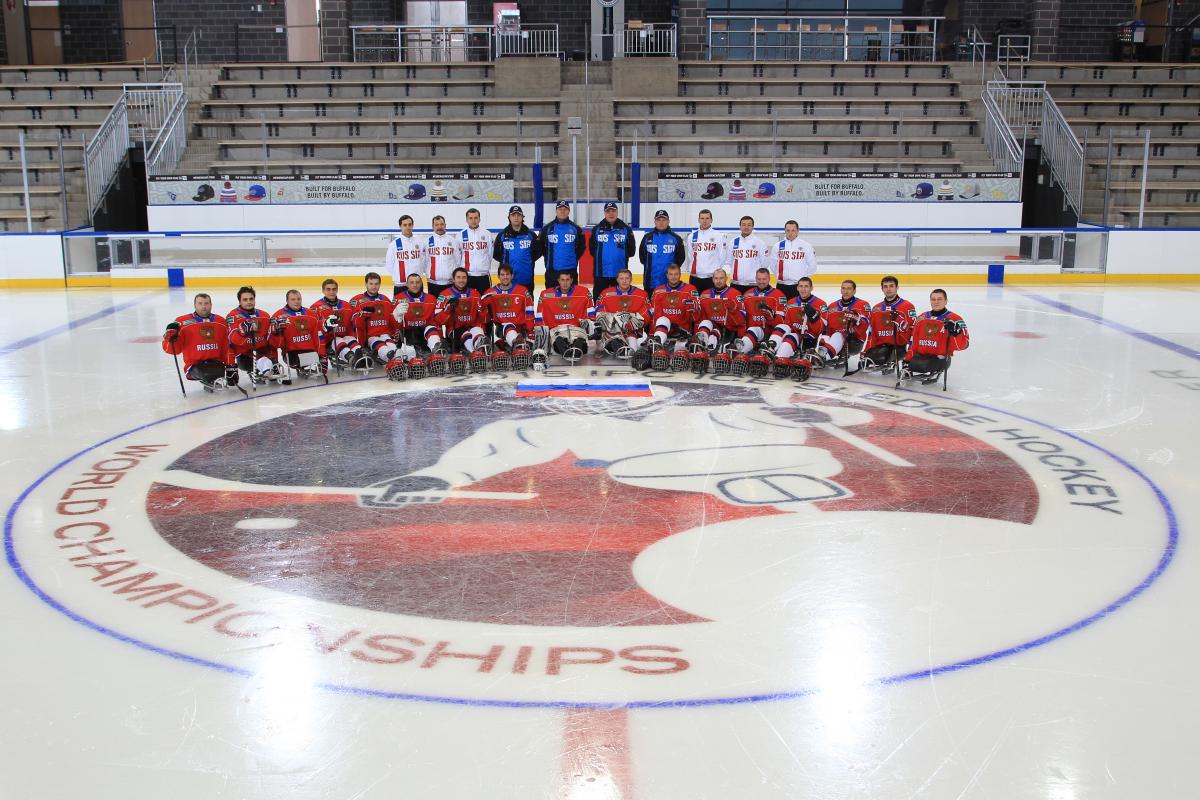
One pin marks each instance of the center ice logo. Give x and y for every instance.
(714, 541)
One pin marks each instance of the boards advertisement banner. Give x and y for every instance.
(394, 187)
(806, 187)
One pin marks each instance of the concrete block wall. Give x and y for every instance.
(1085, 30)
(91, 31)
(218, 18)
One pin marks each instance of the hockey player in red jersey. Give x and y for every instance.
(202, 338)
(561, 316)
(937, 335)
(802, 322)
(301, 339)
(722, 318)
(460, 313)
(419, 333)
(334, 314)
(374, 325)
(623, 316)
(252, 339)
(674, 307)
(508, 313)
(845, 326)
(763, 307)
(890, 325)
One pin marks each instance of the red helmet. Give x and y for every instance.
(479, 361)
(457, 364)
(699, 362)
(396, 370)
(721, 363)
(437, 365)
(417, 368)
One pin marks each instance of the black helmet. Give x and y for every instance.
(713, 191)
(205, 192)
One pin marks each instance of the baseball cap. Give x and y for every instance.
(610, 206)
(516, 210)
(562, 204)
(661, 214)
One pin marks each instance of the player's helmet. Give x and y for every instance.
(740, 365)
(437, 365)
(923, 190)
(802, 370)
(699, 362)
(782, 368)
(660, 359)
(256, 192)
(713, 191)
(520, 357)
(416, 191)
(765, 190)
(721, 363)
(396, 370)
(417, 368)
(457, 364)
(479, 361)
(500, 361)
(679, 360)
(759, 364)
(204, 193)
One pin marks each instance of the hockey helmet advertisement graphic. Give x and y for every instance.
(204, 194)
(257, 192)
(765, 191)
(713, 191)
(923, 191)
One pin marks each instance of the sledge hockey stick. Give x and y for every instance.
(178, 374)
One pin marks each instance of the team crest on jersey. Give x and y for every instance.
(564, 303)
(505, 302)
(450, 540)
(206, 332)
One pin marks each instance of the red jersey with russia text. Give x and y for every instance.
(930, 337)
(723, 307)
(372, 316)
(756, 317)
(840, 312)
(467, 314)
(679, 304)
(301, 330)
(421, 313)
(199, 339)
(633, 301)
(511, 306)
(261, 338)
(899, 323)
(557, 308)
(339, 308)
(796, 320)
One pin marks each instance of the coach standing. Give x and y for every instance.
(611, 248)
(795, 259)
(659, 249)
(563, 244)
(708, 252)
(519, 248)
(747, 254)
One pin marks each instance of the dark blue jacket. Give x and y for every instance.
(659, 250)
(563, 244)
(611, 247)
(519, 249)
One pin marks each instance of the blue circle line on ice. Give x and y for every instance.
(1164, 561)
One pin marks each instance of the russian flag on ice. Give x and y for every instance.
(584, 388)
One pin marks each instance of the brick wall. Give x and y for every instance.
(1041, 21)
(1086, 30)
(218, 19)
(3, 42)
(368, 12)
(693, 29)
(91, 31)
(335, 31)
(987, 14)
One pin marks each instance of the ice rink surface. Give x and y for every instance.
(734, 589)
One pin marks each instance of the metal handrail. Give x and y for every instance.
(651, 39)
(1012, 47)
(823, 38)
(1007, 153)
(381, 44)
(104, 154)
(148, 107)
(1063, 152)
(528, 40)
(167, 149)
